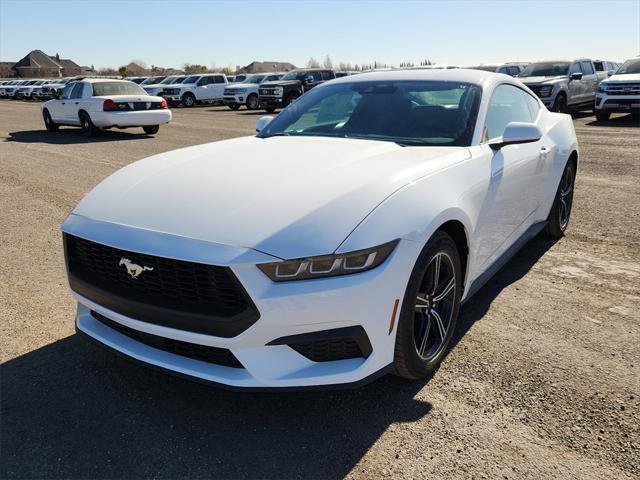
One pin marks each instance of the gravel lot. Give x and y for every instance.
(543, 381)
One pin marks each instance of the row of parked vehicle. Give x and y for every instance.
(562, 85)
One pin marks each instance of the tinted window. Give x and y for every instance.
(575, 68)
(116, 88)
(66, 93)
(587, 68)
(508, 104)
(219, 79)
(77, 90)
(600, 66)
(406, 112)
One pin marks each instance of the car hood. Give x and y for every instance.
(288, 197)
(279, 83)
(156, 85)
(625, 77)
(539, 80)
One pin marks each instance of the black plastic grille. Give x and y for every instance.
(176, 293)
(329, 350)
(215, 355)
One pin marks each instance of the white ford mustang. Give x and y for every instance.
(335, 245)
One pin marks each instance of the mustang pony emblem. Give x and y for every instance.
(133, 269)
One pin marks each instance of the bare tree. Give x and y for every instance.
(313, 63)
(327, 62)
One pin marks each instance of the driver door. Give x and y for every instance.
(576, 87)
(56, 107)
(513, 192)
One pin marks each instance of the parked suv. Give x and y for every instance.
(279, 94)
(512, 69)
(563, 85)
(205, 88)
(620, 92)
(246, 92)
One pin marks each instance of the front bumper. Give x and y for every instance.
(131, 118)
(271, 102)
(286, 309)
(234, 100)
(617, 103)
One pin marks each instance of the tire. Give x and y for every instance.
(560, 104)
(602, 116)
(151, 129)
(88, 128)
(234, 107)
(252, 102)
(49, 124)
(558, 219)
(290, 99)
(269, 110)
(421, 340)
(188, 100)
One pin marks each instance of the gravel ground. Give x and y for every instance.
(543, 380)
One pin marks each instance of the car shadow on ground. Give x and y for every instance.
(72, 410)
(70, 136)
(630, 120)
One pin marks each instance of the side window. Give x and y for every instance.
(600, 66)
(77, 90)
(587, 68)
(218, 79)
(316, 76)
(514, 71)
(508, 104)
(202, 81)
(66, 93)
(327, 75)
(575, 68)
(534, 106)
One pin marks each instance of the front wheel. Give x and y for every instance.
(430, 308)
(560, 104)
(269, 110)
(602, 116)
(252, 102)
(558, 219)
(188, 100)
(151, 129)
(234, 106)
(50, 125)
(88, 129)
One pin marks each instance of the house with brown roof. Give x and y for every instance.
(38, 64)
(260, 67)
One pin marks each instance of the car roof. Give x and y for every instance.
(478, 77)
(100, 80)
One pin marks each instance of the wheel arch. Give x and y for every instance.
(457, 231)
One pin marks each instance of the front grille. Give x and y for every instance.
(623, 89)
(630, 102)
(204, 353)
(171, 91)
(267, 91)
(185, 295)
(328, 350)
(232, 91)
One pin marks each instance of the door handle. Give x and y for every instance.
(63, 103)
(77, 103)
(545, 149)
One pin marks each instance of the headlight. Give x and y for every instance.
(602, 87)
(328, 265)
(278, 91)
(546, 90)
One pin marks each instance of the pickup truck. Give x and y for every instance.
(563, 85)
(204, 88)
(280, 93)
(620, 93)
(246, 91)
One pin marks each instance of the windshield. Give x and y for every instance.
(293, 76)
(253, 79)
(405, 112)
(168, 80)
(116, 88)
(545, 69)
(630, 66)
(151, 80)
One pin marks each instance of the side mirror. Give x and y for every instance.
(263, 122)
(517, 132)
(308, 80)
(576, 76)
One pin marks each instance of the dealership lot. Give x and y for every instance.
(543, 380)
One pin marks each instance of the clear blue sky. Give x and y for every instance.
(170, 33)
